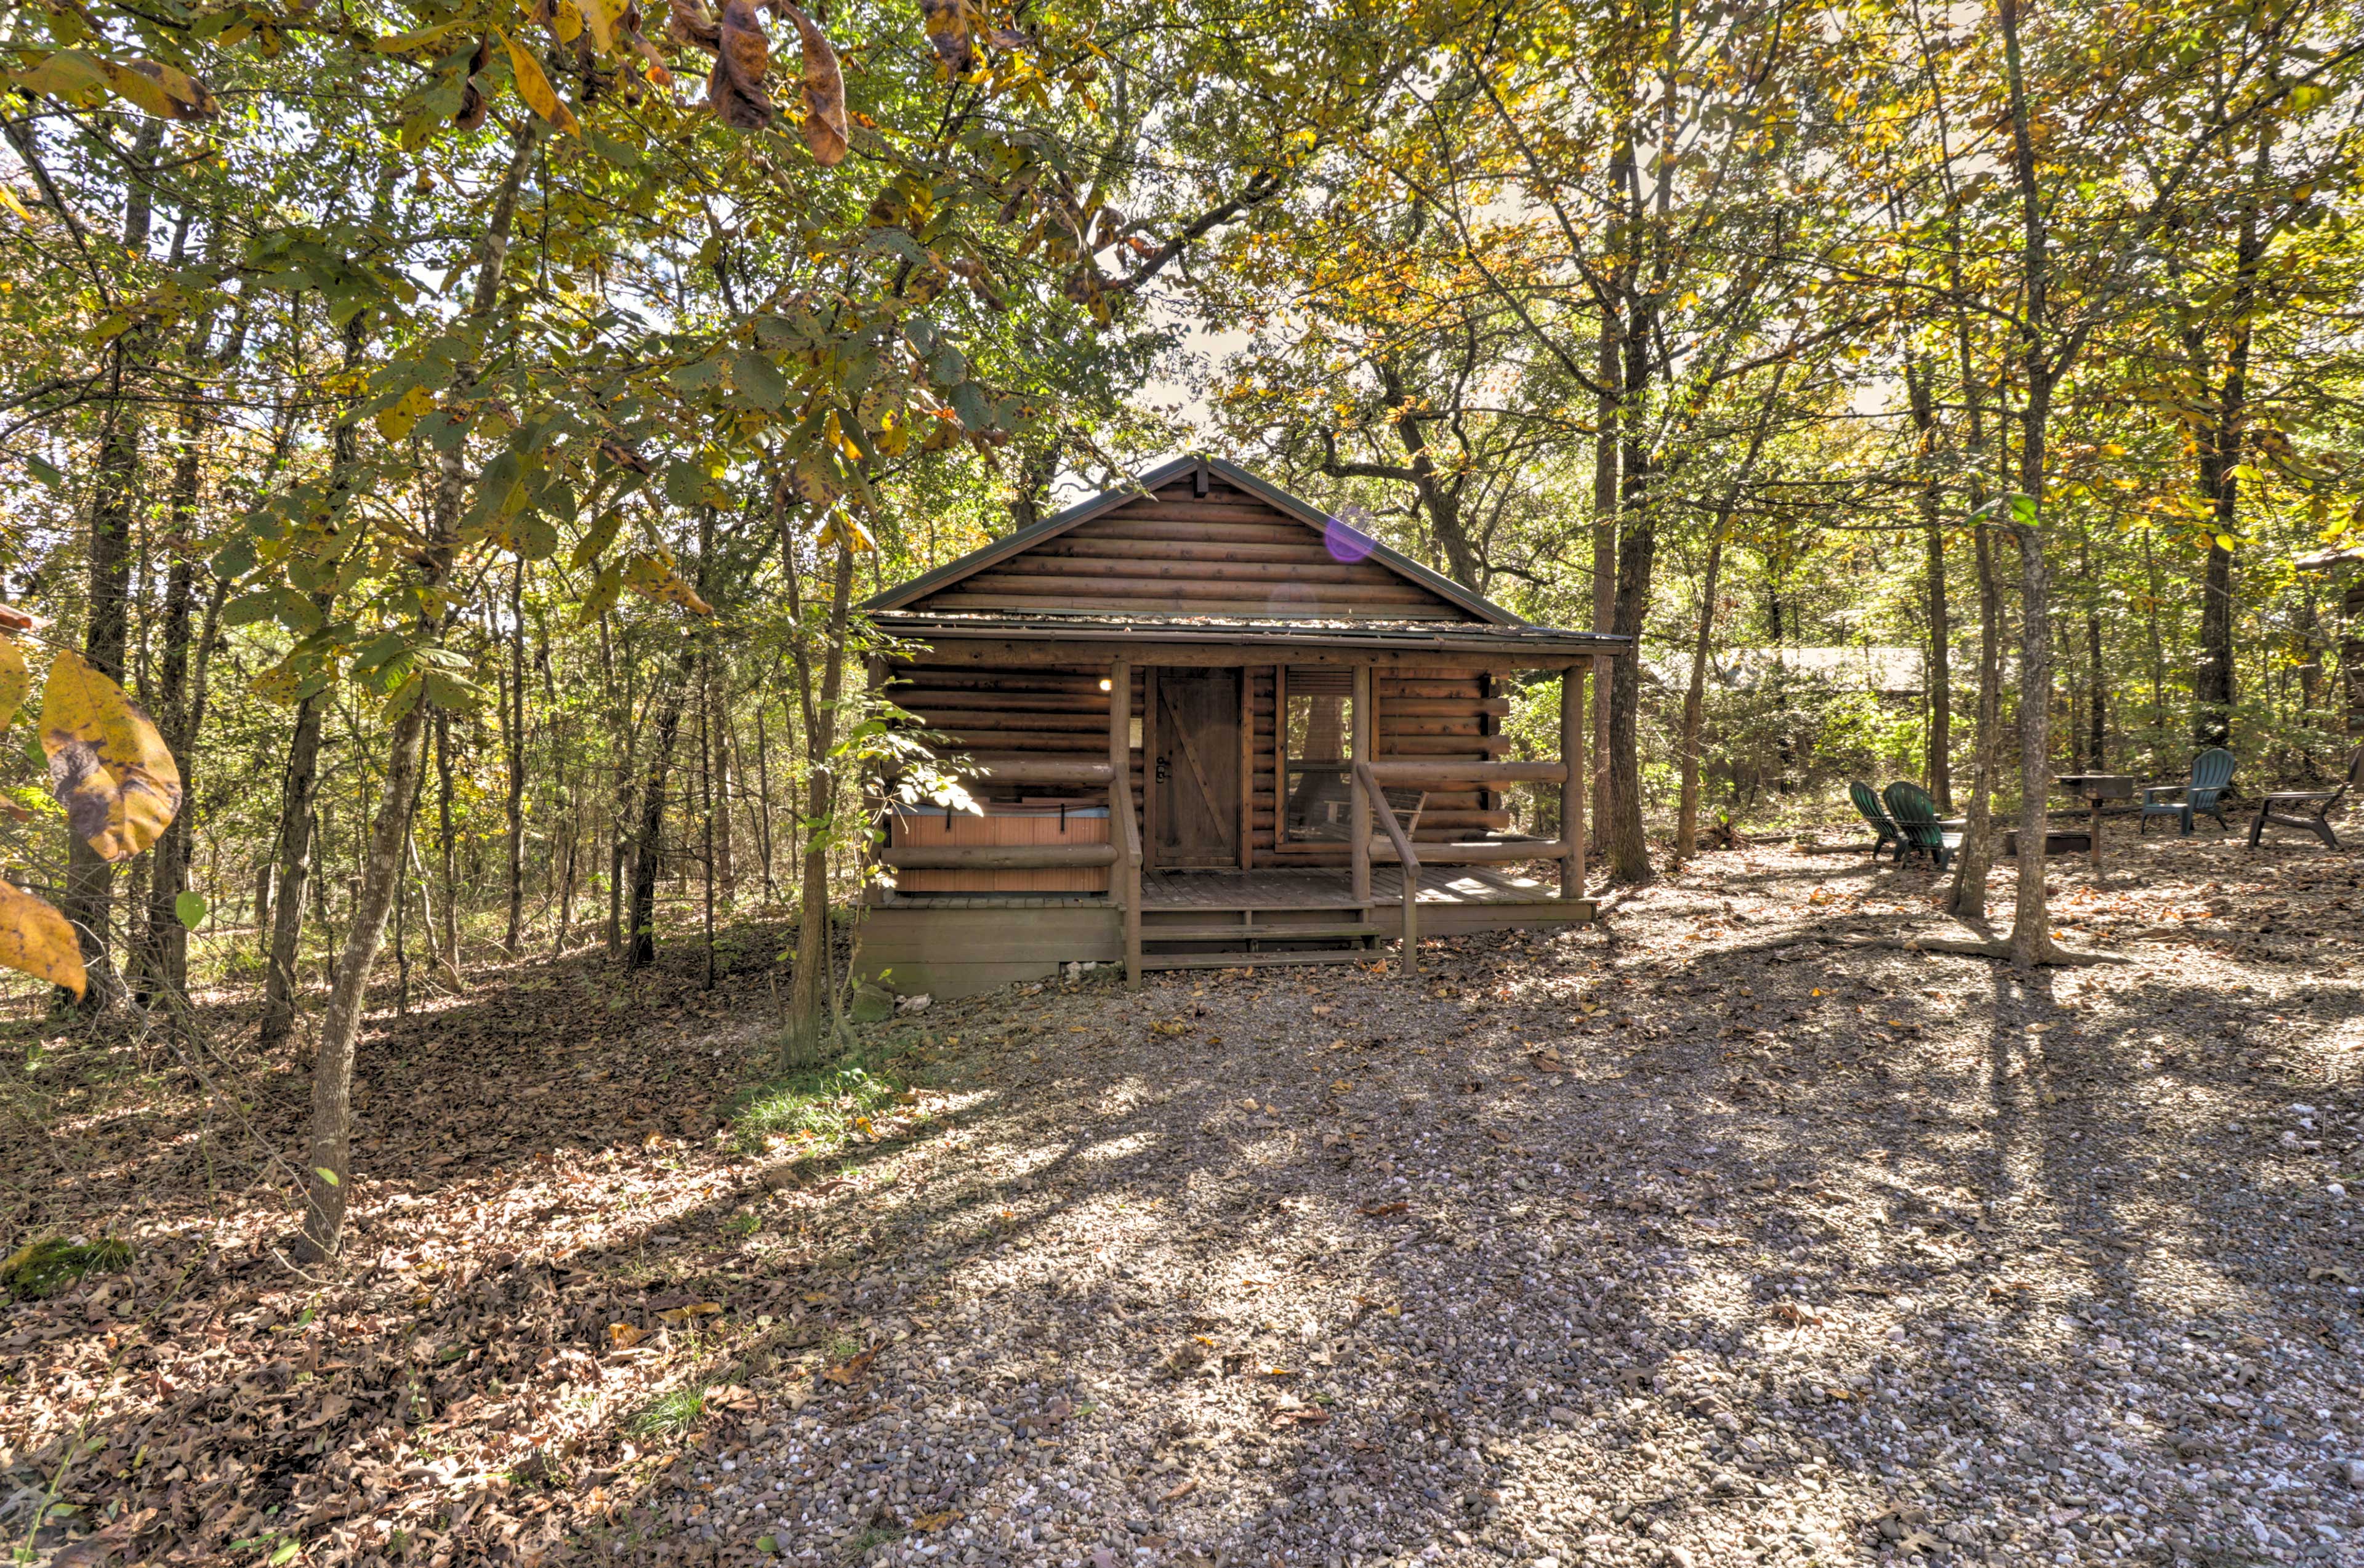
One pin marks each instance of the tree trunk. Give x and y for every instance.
(1941, 665)
(1637, 544)
(809, 990)
(1610, 372)
(2221, 444)
(1694, 702)
(297, 819)
(1967, 898)
(513, 722)
(89, 898)
(640, 930)
(330, 1160)
(448, 873)
(2097, 705)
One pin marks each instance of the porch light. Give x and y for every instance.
(1104, 684)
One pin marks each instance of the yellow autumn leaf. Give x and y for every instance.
(624, 1336)
(8, 199)
(16, 680)
(108, 767)
(35, 939)
(652, 574)
(603, 24)
(535, 88)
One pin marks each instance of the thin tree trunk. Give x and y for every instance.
(2097, 706)
(1695, 701)
(331, 1158)
(444, 846)
(513, 721)
(1967, 898)
(1610, 372)
(640, 932)
(298, 818)
(764, 800)
(810, 993)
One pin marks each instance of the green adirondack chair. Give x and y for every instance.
(1866, 804)
(2212, 781)
(1916, 819)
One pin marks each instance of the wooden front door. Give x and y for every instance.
(1195, 817)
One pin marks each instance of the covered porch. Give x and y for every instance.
(1253, 795)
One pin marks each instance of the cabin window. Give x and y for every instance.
(1317, 751)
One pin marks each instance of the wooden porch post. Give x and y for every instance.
(1125, 876)
(1572, 790)
(1358, 829)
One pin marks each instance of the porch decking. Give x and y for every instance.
(957, 945)
(1332, 888)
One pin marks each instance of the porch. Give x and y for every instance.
(960, 944)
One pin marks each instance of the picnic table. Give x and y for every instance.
(2094, 790)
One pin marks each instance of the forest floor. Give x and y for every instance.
(1712, 1235)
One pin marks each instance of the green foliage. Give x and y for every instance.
(670, 1414)
(815, 1106)
(45, 1267)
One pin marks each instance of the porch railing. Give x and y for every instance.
(1385, 814)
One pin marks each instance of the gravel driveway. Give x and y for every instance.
(1711, 1237)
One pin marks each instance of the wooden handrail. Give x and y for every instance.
(1405, 855)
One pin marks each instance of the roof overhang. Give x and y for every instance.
(1518, 646)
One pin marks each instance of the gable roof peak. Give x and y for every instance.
(1200, 469)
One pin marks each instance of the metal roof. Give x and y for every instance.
(1312, 516)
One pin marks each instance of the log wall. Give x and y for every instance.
(1228, 554)
(1036, 712)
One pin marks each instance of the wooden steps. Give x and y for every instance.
(1251, 932)
(1251, 960)
(1276, 933)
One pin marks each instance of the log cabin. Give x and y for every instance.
(1207, 725)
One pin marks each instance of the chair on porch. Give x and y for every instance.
(1915, 814)
(2212, 781)
(2309, 809)
(1866, 804)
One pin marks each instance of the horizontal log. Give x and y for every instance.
(1310, 551)
(1024, 718)
(1025, 741)
(1407, 724)
(999, 857)
(1166, 589)
(1447, 745)
(1151, 532)
(1391, 770)
(1034, 770)
(1316, 606)
(1392, 706)
(1209, 510)
(1430, 691)
(1456, 854)
(1017, 683)
(1165, 566)
(999, 699)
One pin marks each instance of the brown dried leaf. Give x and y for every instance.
(824, 92)
(949, 29)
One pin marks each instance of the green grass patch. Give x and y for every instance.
(49, 1265)
(815, 1106)
(669, 1414)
